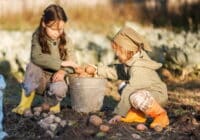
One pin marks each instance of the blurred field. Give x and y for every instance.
(99, 17)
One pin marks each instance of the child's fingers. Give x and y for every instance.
(111, 121)
(90, 69)
(79, 70)
(69, 64)
(92, 65)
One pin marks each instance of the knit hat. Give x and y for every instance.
(130, 40)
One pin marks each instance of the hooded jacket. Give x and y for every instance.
(140, 73)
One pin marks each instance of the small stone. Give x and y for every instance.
(57, 119)
(50, 133)
(48, 120)
(43, 124)
(95, 120)
(104, 128)
(158, 128)
(141, 127)
(63, 123)
(45, 107)
(36, 113)
(71, 123)
(136, 136)
(37, 109)
(52, 116)
(100, 134)
(53, 126)
(44, 115)
(28, 113)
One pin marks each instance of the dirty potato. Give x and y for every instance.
(104, 128)
(95, 120)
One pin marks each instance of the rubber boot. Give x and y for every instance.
(56, 108)
(134, 115)
(158, 114)
(25, 103)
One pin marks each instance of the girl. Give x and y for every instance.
(144, 92)
(51, 52)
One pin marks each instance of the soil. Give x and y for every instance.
(183, 110)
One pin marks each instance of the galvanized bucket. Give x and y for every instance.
(87, 93)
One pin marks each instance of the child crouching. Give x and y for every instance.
(144, 94)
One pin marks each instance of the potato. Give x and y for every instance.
(141, 127)
(95, 120)
(104, 128)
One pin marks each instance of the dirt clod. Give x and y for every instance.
(37, 113)
(57, 119)
(50, 133)
(45, 107)
(135, 136)
(28, 113)
(53, 126)
(63, 123)
(158, 128)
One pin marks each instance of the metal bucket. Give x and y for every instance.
(87, 93)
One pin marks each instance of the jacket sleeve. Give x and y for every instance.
(114, 72)
(43, 60)
(107, 72)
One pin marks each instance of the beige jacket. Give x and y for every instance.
(140, 72)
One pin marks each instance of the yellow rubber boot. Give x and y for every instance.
(25, 103)
(134, 115)
(56, 108)
(158, 114)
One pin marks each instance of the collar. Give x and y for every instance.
(134, 58)
(52, 42)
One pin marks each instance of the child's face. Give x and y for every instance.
(54, 29)
(121, 54)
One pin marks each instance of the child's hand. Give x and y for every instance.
(58, 76)
(79, 70)
(69, 64)
(90, 69)
(115, 119)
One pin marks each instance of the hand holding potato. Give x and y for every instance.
(90, 69)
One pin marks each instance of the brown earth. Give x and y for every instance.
(183, 110)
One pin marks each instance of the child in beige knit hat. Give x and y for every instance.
(145, 93)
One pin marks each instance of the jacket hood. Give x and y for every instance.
(141, 59)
